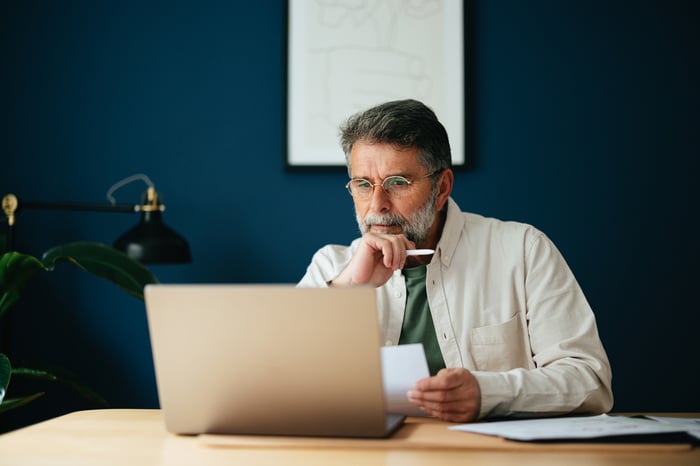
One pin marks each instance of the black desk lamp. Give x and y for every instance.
(149, 242)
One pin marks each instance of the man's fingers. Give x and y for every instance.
(457, 410)
(437, 396)
(451, 413)
(393, 249)
(446, 379)
(452, 395)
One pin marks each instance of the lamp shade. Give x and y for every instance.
(153, 242)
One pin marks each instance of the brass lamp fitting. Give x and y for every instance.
(151, 204)
(9, 206)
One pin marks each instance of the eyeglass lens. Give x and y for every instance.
(393, 185)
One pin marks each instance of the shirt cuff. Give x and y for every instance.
(494, 391)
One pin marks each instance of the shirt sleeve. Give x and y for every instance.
(326, 264)
(572, 373)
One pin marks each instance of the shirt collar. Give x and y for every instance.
(451, 232)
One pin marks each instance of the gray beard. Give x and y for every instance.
(415, 228)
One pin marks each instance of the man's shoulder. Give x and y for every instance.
(476, 229)
(475, 221)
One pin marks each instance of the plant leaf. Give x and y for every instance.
(104, 262)
(15, 269)
(64, 378)
(12, 403)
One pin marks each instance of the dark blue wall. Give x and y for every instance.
(585, 124)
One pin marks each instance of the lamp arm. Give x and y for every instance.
(11, 205)
(78, 206)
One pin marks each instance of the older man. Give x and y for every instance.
(506, 328)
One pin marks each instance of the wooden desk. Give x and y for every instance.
(137, 437)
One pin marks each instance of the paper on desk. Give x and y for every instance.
(402, 367)
(587, 427)
(691, 425)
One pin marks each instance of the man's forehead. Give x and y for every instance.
(374, 159)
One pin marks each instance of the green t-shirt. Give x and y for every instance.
(418, 324)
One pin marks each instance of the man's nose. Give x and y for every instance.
(380, 200)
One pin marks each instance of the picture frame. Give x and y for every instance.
(342, 59)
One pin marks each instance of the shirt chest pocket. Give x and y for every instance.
(501, 347)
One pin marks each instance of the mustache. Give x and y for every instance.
(415, 227)
(384, 219)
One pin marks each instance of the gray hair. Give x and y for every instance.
(405, 124)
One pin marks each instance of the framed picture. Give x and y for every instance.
(344, 57)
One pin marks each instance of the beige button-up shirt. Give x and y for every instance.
(506, 306)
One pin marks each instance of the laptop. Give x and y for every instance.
(268, 359)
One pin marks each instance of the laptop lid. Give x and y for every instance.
(268, 359)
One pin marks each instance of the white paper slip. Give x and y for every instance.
(402, 367)
(570, 428)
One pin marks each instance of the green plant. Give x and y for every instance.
(16, 269)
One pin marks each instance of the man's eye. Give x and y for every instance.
(363, 184)
(396, 182)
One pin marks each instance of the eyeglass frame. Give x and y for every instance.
(374, 185)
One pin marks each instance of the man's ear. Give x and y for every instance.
(444, 187)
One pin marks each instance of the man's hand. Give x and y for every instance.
(375, 260)
(452, 395)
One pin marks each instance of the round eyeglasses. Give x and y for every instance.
(395, 186)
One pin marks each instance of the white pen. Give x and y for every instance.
(419, 252)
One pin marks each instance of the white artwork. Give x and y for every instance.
(348, 55)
